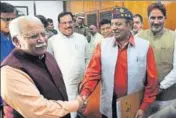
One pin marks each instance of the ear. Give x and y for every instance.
(16, 42)
(130, 25)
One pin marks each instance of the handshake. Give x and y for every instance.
(82, 103)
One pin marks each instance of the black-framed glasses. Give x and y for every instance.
(7, 19)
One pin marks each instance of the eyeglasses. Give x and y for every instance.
(35, 36)
(7, 19)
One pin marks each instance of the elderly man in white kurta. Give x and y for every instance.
(72, 53)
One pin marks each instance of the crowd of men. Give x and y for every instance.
(51, 74)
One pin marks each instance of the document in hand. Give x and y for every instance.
(127, 106)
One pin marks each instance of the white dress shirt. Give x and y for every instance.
(72, 54)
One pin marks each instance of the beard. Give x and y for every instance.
(156, 28)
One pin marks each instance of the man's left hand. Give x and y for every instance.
(140, 114)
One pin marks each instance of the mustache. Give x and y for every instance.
(114, 31)
(69, 28)
(156, 25)
(40, 45)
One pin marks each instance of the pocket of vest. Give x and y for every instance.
(166, 55)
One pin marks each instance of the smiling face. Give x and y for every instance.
(106, 30)
(137, 24)
(120, 28)
(66, 25)
(33, 38)
(156, 20)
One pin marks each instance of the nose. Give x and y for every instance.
(134, 24)
(41, 38)
(67, 24)
(156, 21)
(114, 27)
(106, 30)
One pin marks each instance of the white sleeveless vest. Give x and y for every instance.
(136, 61)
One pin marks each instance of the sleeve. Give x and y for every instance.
(170, 79)
(20, 92)
(87, 53)
(92, 75)
(151, 88)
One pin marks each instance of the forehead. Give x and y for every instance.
(8, 15)
(79, 17)
(50, 23)
(92, 26)
(156, 12)
(120, 20)
(136, 19)
(31, 27)
(66, 18)
(105, 25)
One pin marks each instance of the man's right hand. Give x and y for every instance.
(83, 103)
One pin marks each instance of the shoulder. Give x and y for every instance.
(107, 41)
(54, 37)
(143, 32)
(139, 39)
(141, 43)
(170, 31)
(79, 37)
(11, 72)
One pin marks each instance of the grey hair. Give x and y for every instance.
(14, 25)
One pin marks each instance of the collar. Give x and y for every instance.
(29, 56)
(158, 34)
(67, 37)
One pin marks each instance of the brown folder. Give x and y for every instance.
(127, 106)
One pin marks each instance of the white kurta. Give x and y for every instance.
(72, 54)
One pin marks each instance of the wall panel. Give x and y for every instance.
(135, 6)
